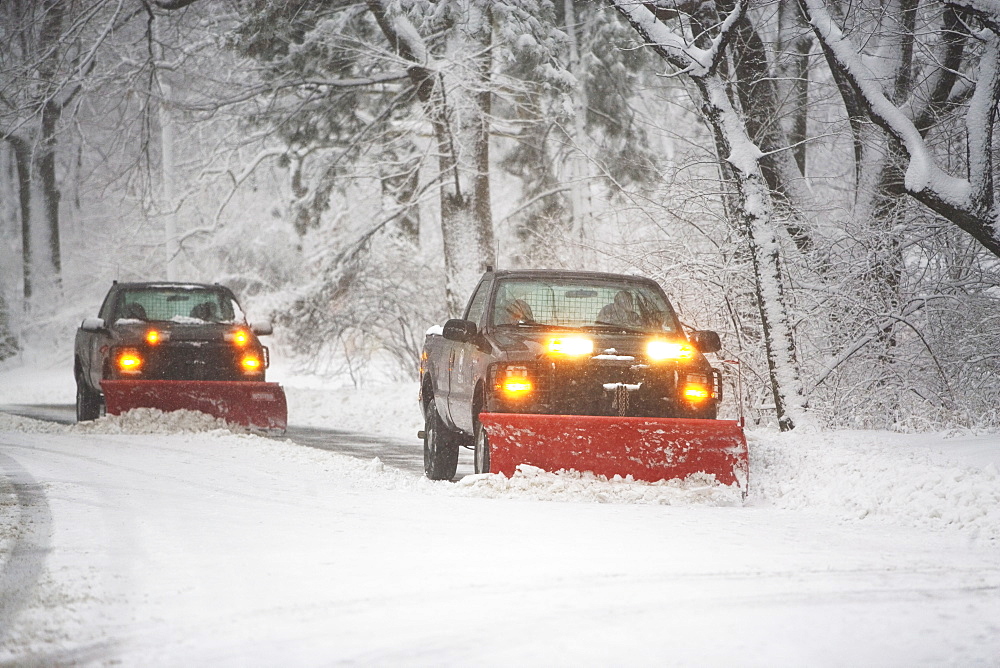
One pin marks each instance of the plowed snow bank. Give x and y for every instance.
(153, 421)
(534, 483)
(904, 478)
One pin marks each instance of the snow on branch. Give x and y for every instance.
(987, 11)
(675, 48)
(401, 33)
(968, 203)
(922, 173)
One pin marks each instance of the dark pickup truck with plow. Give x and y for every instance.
(174, 346)
(581, 371)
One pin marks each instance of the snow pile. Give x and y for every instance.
(874, 475)
(373, 473)
(27, 425)
(153, 421)
(534, 483)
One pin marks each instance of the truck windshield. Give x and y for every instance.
(575, 303)
(175, 304)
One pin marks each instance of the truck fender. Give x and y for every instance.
(426, 392)
(478, 400)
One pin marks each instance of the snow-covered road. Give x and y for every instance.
(204, 547)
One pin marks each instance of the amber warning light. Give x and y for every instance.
(129, 361)
(515, 382)
(239, 337)
(250, 363)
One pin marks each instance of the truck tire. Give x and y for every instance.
(440, 446)
(88, 402)
(482, 448)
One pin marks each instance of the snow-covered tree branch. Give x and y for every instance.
(968, 202)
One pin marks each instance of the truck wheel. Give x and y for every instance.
(482, 449)
(440, 447)
(88, 402)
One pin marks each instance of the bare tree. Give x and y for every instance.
(51, 50)
(967, 202)
(30, 117)
(755, 203)
(459, 113)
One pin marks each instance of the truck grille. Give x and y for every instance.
(190, 361)
(598, 387)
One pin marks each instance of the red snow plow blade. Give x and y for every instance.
(254, 404)
(649, 449)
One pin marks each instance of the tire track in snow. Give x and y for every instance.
(22, 569)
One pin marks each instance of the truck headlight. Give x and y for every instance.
(658, 350)
(571, 346)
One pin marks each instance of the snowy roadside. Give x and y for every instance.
(931, 481)
(853, 548)
(927, 481)
(947, 481)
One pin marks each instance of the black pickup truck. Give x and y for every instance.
(165, 332)
(559, 343)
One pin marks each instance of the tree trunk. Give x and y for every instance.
(755, 211)
(48, 186)
(460, 121)
(762, 107)
(45, 150)
(577, 161)
(167, 175)
(754, 203)
(22, 165)
(8, 343)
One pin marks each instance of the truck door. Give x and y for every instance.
(464, 364)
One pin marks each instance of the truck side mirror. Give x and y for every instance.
(92, 324)
(706, 341)
(459, 330)
(262, 328)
